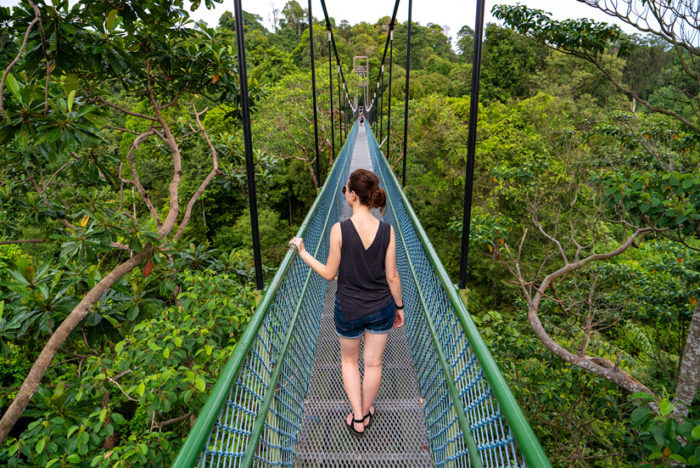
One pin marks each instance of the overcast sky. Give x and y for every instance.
(450, 13)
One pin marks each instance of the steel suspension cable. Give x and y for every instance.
(341, 113)
(388, 114)
(408, 74)
(381, 104)
(250, 170)
(330, 92)
(313, 91)
(335, 52)
(471, 143)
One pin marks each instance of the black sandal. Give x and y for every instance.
(351, 426)
(371, 416)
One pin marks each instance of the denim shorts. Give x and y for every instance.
(379, 323)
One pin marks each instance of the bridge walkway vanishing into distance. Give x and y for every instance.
(280, 400)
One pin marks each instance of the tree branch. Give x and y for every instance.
(213, 173)
(12, 64)
(58, 337)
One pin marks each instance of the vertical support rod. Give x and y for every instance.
(471, 142)
(330, 92)
(340, 106)
(388, 114)
(245, 107)
(381, 104)
(313, 91)
(405, 109)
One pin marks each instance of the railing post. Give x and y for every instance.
(330, 91)
(408, 74)
(250, 170)
(313, 91)
(471, 143)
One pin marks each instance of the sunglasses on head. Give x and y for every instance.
(344, 189)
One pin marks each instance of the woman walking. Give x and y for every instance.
(368, 301)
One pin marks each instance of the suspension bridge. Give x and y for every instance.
(280, 400)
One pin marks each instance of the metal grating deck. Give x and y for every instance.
(398, 435)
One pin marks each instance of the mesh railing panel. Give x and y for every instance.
(292, 322)
(431, 321)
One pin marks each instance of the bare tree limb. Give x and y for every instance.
(174, 206)
(136, 181)
(213, 173)
(12, 64)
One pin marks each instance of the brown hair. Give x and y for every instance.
(365, 184)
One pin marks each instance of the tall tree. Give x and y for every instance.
(70, 61)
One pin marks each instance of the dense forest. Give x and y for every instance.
(126, 265)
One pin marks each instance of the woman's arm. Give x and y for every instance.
(330, 269)
(392, 277)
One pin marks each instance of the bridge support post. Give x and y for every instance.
(471, 142)
(250, 170)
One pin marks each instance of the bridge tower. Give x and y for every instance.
(360, 65)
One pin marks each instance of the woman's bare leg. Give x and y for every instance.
(349, 355)
(374, 352)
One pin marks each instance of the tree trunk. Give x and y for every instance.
(689, 373)
(36, 373)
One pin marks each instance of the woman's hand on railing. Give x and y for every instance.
(298, 242)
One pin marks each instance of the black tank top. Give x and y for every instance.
(362, 286)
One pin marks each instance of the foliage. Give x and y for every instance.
(664, 439)
(126, 404)
(127, 383)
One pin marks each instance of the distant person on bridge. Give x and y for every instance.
(362, 119)
(368, 301)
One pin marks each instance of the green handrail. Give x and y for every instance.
(449, 378)
(259, 425)
(522, 431)
(193, 446)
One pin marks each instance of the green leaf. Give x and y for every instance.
(71, 431)
(13, 86)
(178, 341)
(695, 433)
(52, 462)
(118, 348)
(208, 349)
(665, 407)
(71, 98)
(111, 16)
(166, 353)
(200, 384)
(118, 418)
(641, 396)
(71, 83)
(40, 445)
(141, 389)
(73, 458)
(103, 414)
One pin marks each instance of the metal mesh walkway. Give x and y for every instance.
(398, 436)
(279, 401)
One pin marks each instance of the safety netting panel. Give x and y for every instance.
(435, 331)
(291, 324)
